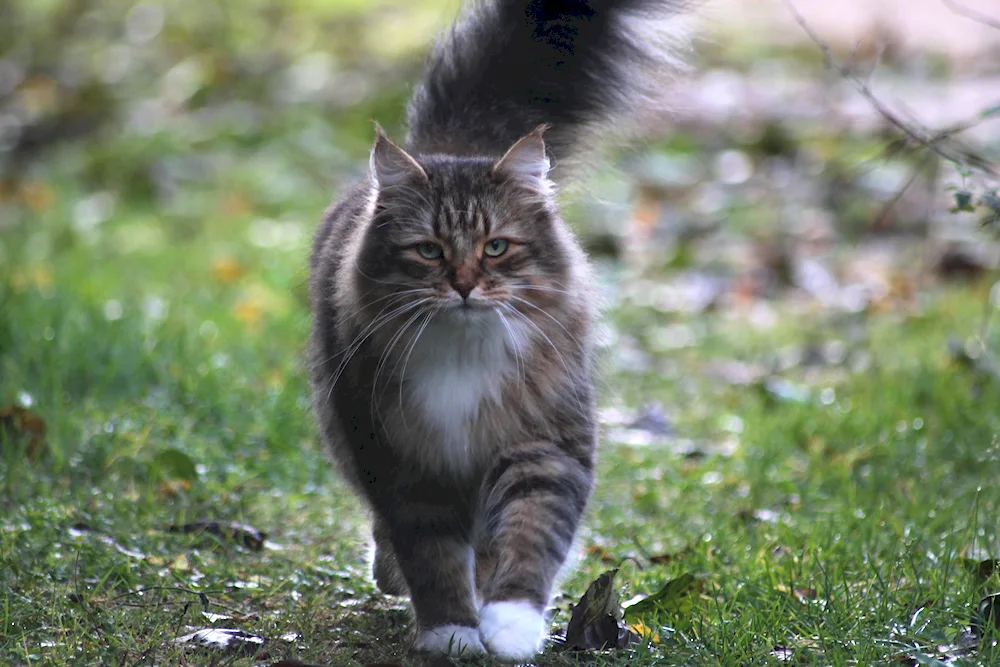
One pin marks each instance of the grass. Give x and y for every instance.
(831, 524)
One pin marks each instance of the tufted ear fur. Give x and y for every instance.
(526, 160)
(390, 165)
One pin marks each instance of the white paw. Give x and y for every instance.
(450, 640)
(512, 630)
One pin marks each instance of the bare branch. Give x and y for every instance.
(941, 142)
(970, 13)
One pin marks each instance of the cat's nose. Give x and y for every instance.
(464, 287)
(465, 278)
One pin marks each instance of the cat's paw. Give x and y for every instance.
(450, 640)
(512, 630)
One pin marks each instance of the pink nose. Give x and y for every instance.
(464, 287)
(465, 278)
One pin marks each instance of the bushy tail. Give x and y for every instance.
(508, 66)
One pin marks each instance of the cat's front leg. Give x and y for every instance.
(433, 552)
(385, 569)
(533, 500)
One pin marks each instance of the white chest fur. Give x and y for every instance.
(456, 366)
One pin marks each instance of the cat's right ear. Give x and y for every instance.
(528, 162)
(390, 165)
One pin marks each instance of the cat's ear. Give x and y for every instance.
(391, 165)
(526, 160)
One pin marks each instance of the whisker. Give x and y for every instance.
(407, 353)
(384, 358)
(541, 333)
(541, 288)
(351, 344)
(368, 304)
(560, 324)
(373, 327)
(518, 361)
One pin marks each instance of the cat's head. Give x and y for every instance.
(464, 238)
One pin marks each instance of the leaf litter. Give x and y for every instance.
(675, 599)
(246, 535)
(599, 622)
(231, 641)
(20, 424)
(596, 622)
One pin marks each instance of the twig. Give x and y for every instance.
(970, 13)
(913, 131)
(889, 205)
(203, 597)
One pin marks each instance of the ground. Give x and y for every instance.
(798, 398)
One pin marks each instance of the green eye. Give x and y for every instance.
(430, 251)
(495, 248)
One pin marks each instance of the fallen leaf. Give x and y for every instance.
(18, 423)
(172, 463)
(172, 488)
(215, 618)
(783, 654)
(180, 564)
(666, 559)
(647, 633)
(596, 620)
(37, 196)
(801, 594)
(602, 554)
(248, 311)
(249, 536)
(675, 599)
(226, 269)
(229, 640)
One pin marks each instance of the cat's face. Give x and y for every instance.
(464, 239)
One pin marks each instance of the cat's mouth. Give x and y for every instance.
(468, 305)
(469, 309)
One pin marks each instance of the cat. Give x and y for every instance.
(453, 314)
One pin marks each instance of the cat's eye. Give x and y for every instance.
(496, 247)
(430, 251)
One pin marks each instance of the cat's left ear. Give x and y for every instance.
(527, 161)
(390, 165)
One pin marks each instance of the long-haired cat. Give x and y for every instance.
(453, 316)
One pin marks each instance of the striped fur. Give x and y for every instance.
(454, 387)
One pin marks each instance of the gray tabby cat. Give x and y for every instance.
(453, 316)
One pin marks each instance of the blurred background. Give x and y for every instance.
(799, 262)
(167, 162)
(249, 116)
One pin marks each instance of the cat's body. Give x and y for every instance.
(453, 313)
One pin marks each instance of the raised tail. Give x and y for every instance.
(508, 66)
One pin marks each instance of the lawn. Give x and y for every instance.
(799, 427)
